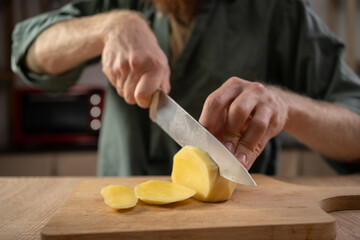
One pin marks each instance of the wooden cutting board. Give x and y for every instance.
(272, 210)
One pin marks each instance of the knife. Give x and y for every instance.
(185, 130)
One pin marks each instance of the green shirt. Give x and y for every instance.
(275, 41)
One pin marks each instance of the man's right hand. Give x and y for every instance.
(132, 59)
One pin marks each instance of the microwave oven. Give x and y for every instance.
(72, 118)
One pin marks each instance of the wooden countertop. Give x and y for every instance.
(27, 203)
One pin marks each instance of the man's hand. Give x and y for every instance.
(244, 116)
(132, 59)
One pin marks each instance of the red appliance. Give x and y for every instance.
(64, 119)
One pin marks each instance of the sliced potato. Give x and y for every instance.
(119, 197)
(162, 192)
(194, 168)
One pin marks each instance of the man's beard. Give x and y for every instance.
(183, 10)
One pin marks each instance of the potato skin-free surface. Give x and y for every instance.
(162, 192)
(119, 197)
(194, 168)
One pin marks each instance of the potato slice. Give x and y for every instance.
(194, 168)
(162, 192)
(119, 197)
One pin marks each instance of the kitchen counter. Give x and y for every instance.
(27, 203)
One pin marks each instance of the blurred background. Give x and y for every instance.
(56, 135)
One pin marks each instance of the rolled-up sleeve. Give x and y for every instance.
(25, 33)
(307, 59)
(311, 58)
(23, 36)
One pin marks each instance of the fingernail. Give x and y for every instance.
(243, 159)
(229, 146)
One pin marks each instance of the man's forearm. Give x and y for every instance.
(67, 44)
(332, 130)
(131, 57)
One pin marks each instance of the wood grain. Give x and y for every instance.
(27, 203)
(347, 222)
(273, 210)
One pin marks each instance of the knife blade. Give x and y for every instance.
(185, 130)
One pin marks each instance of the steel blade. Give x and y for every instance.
(185, 130)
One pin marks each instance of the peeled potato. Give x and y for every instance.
(119, 197)
(194, 168)
(162, 192)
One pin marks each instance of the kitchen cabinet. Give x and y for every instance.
(302, 162)
(348, 10)
(292, 163)
(64, 163)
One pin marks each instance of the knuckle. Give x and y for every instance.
(275, 122)
(135, 63)
(233, 80)
(261, 125)
(119, 88)
(146, 62)
(123, 65)
(245, 144)
(120, 92)
(141, 94)
(239, 111)
(259, 87)
(156, 63)
(259, 148)
(129, 99)
(271, 101)
(139, 62)
(275, 127)
(231, 135)
(127, 95)
(215, 101)
(142, 97)
(253, 148)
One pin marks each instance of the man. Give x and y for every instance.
(281, 44)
